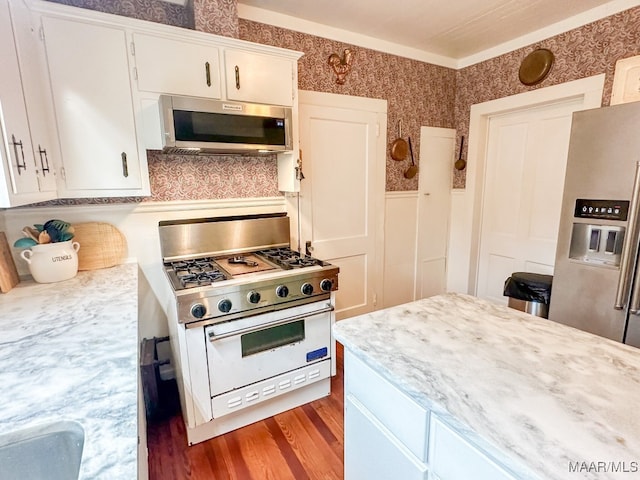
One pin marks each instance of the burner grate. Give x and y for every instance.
(200, 279)
(198, 272)
(289, 259)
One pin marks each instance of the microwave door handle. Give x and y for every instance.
(629, 248)
(213, 337)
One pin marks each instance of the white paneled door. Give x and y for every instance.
(524, 181)
(434, 200)
(342, 196)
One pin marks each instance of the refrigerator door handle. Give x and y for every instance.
(627, 259)
(634, 306)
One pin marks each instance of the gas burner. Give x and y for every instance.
(289, 259)
(199, 263)
(197, 272)
(200, 279)
(302, 262)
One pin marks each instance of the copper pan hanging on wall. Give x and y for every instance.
(399, 147)
(413, 168)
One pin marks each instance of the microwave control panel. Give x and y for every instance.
(602, 209)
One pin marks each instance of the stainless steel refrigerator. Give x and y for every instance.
(596, 286)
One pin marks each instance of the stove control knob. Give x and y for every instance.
(253, 297)
(282, 291)
(307, 289)
(326, 285)
(224, 305)
(198, 310)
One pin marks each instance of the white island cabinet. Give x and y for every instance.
(388, 435)
(456, 388)
(385, 431)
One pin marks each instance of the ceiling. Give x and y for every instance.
(452, 29)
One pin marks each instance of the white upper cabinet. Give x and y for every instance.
(27, 173)
(177, 67)
(258, 78)
(89, 73)
(99, 77)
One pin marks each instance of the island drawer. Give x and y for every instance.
(452, 457)
(401, 415)
(372, 451)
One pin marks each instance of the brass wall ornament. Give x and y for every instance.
(536, 66)
(341, 66)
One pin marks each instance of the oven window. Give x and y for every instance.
(273, 337)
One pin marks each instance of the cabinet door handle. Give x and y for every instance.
(15, 144)
(44, 165)
(125, 167)
(237, 77)
(207, 73)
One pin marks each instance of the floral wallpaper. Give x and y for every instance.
(150, 10)
(175, 177)
(202, 177)
(216, 16)
(589, 50)
(417, 93)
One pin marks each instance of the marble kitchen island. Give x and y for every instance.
(454, 386)
(68, 352)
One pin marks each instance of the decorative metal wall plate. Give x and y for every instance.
(536, 66)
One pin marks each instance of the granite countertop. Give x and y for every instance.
(68, 351)
(546, 395)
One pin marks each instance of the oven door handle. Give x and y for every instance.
(213, 337)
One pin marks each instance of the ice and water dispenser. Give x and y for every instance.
(599, 243)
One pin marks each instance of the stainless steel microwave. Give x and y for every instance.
(193, 125)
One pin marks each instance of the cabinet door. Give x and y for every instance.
(181, 68)
(17, 155)
(252, 77)
(89, 74)
(37, 98)
(451, 457)
(396, 411)
(371, 452)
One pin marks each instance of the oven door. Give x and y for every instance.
(246, 351)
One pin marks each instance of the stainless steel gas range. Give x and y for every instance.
(250, 321)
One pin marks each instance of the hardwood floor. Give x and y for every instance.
(303, 443)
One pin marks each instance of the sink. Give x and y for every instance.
(51, 451)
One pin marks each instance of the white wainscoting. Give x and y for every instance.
(400, 231)
(139, 223)
(458, 255)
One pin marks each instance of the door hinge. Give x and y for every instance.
(135, 73)
(377, 129)
(375, 299)
(41, 33)
(133, 49)
(63, 174)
